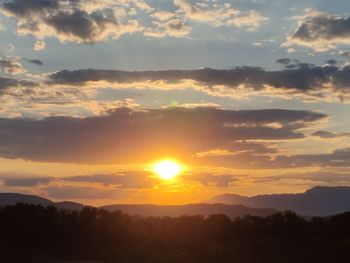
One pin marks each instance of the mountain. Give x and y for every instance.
(191, 209)
(143, 210)
(317, 201)
(7, 199)
(13, 198)
(69, 205)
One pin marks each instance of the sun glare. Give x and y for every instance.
(167, 169)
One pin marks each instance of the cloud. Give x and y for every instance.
(238, 148)
(345, 54)
(67, 91)
(89, 28)
(173, 27)
(163, 15)
(323, 177)
(11, 66)
(321, 32)
(331, 62)
(141, 4)
(67, 20)
(212, 179)
(120, 180)
(327, 83)
(130, 180)
(219, 14)
(330, 135)
(84, 192)
(39, 45)
(36, 62)
(91, 21)
(284, 61)
(141, 136)
(26, 182)
(10, 48)
(337, 158)
(8, 84)
(280, 160)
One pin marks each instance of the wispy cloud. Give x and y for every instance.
(220, 14)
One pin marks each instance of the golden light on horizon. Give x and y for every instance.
(167, 169)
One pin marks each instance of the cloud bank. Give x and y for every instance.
(142, 136)
(329, 82)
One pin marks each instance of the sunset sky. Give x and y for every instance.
(247, 96)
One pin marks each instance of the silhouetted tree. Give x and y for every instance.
(31, 233)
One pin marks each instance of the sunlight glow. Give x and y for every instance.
(167, 169)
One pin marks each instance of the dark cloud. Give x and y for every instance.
(253, 147)
(324, 134)
(332, 62)
(322, 32)
(90, 21)
(291, 66)
(337, 158)
(330, 135)
(25, 8)
(26, 182)
(36, 62)
(284, 61)
(134, 180)
(325, 177)
(81, 25)
(127, 180)
(85, 192)
(240, 153)
(306, 79)
(6, 84)
(251, 160)
(67, 20)
(126, 135)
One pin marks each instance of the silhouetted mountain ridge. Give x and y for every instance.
(320, 201)
(7, 199)
(317, 201)
(189, 210)
(14, 198)
(143, 210)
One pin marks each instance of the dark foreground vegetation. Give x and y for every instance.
(31, 233)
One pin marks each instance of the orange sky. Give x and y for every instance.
(249, 100)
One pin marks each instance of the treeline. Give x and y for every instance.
(31, 233)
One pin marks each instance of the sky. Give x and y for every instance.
(248, 96)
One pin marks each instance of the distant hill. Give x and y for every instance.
(13, 198)
(69, 205)
(7, 199)
(143, 210)
(317, 201)
(191, 209)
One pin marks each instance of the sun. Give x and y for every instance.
(167, 169)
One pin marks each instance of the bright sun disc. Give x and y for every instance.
(167, 169)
